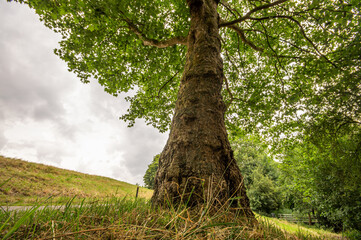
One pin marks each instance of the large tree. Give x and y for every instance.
(206, 64)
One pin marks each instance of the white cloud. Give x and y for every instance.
(49, 116)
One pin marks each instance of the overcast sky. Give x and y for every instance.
(48, 116)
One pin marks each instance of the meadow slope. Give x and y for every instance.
(24, 183)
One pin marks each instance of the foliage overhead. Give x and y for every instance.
(286, 63)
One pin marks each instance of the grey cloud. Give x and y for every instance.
(143, 143)
(31, 76)
(118, 172)
(139, 144)
(67, 130)
(105, 105)
(25, 93)
(51, 153)
(22, 100)
(3, 140)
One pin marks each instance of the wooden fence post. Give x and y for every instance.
(136, 195)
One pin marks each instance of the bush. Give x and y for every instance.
(353, 235)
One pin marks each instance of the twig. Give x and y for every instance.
(52, 229)
(229, 8)
(302, 30)
(248, 15)
(240, 32)
(165, 84)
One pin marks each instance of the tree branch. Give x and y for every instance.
(230, 94)
(167, 83)
(248, 15)
(240, 32)
(153, 42)
(229, 8)
(302, 30)
(309, 40)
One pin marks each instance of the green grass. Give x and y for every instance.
(124, 218)
(98, 208)
(296, 229)
(25, 183)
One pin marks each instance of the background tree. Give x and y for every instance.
(325, 182)
(263, 193)
(149, 175)
(251, 153)
(260, 171)
(278, 58)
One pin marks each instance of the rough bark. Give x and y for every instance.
(197, 164)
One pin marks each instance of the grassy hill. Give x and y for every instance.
(23, 183)
(113, 216)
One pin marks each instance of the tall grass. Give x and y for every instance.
(122, 218)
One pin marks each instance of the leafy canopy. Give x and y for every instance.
(286, 62)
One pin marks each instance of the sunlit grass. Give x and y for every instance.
(297, 229)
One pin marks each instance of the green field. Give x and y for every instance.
(25, 183)
(97, 207)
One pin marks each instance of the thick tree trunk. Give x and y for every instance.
(197, 164)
